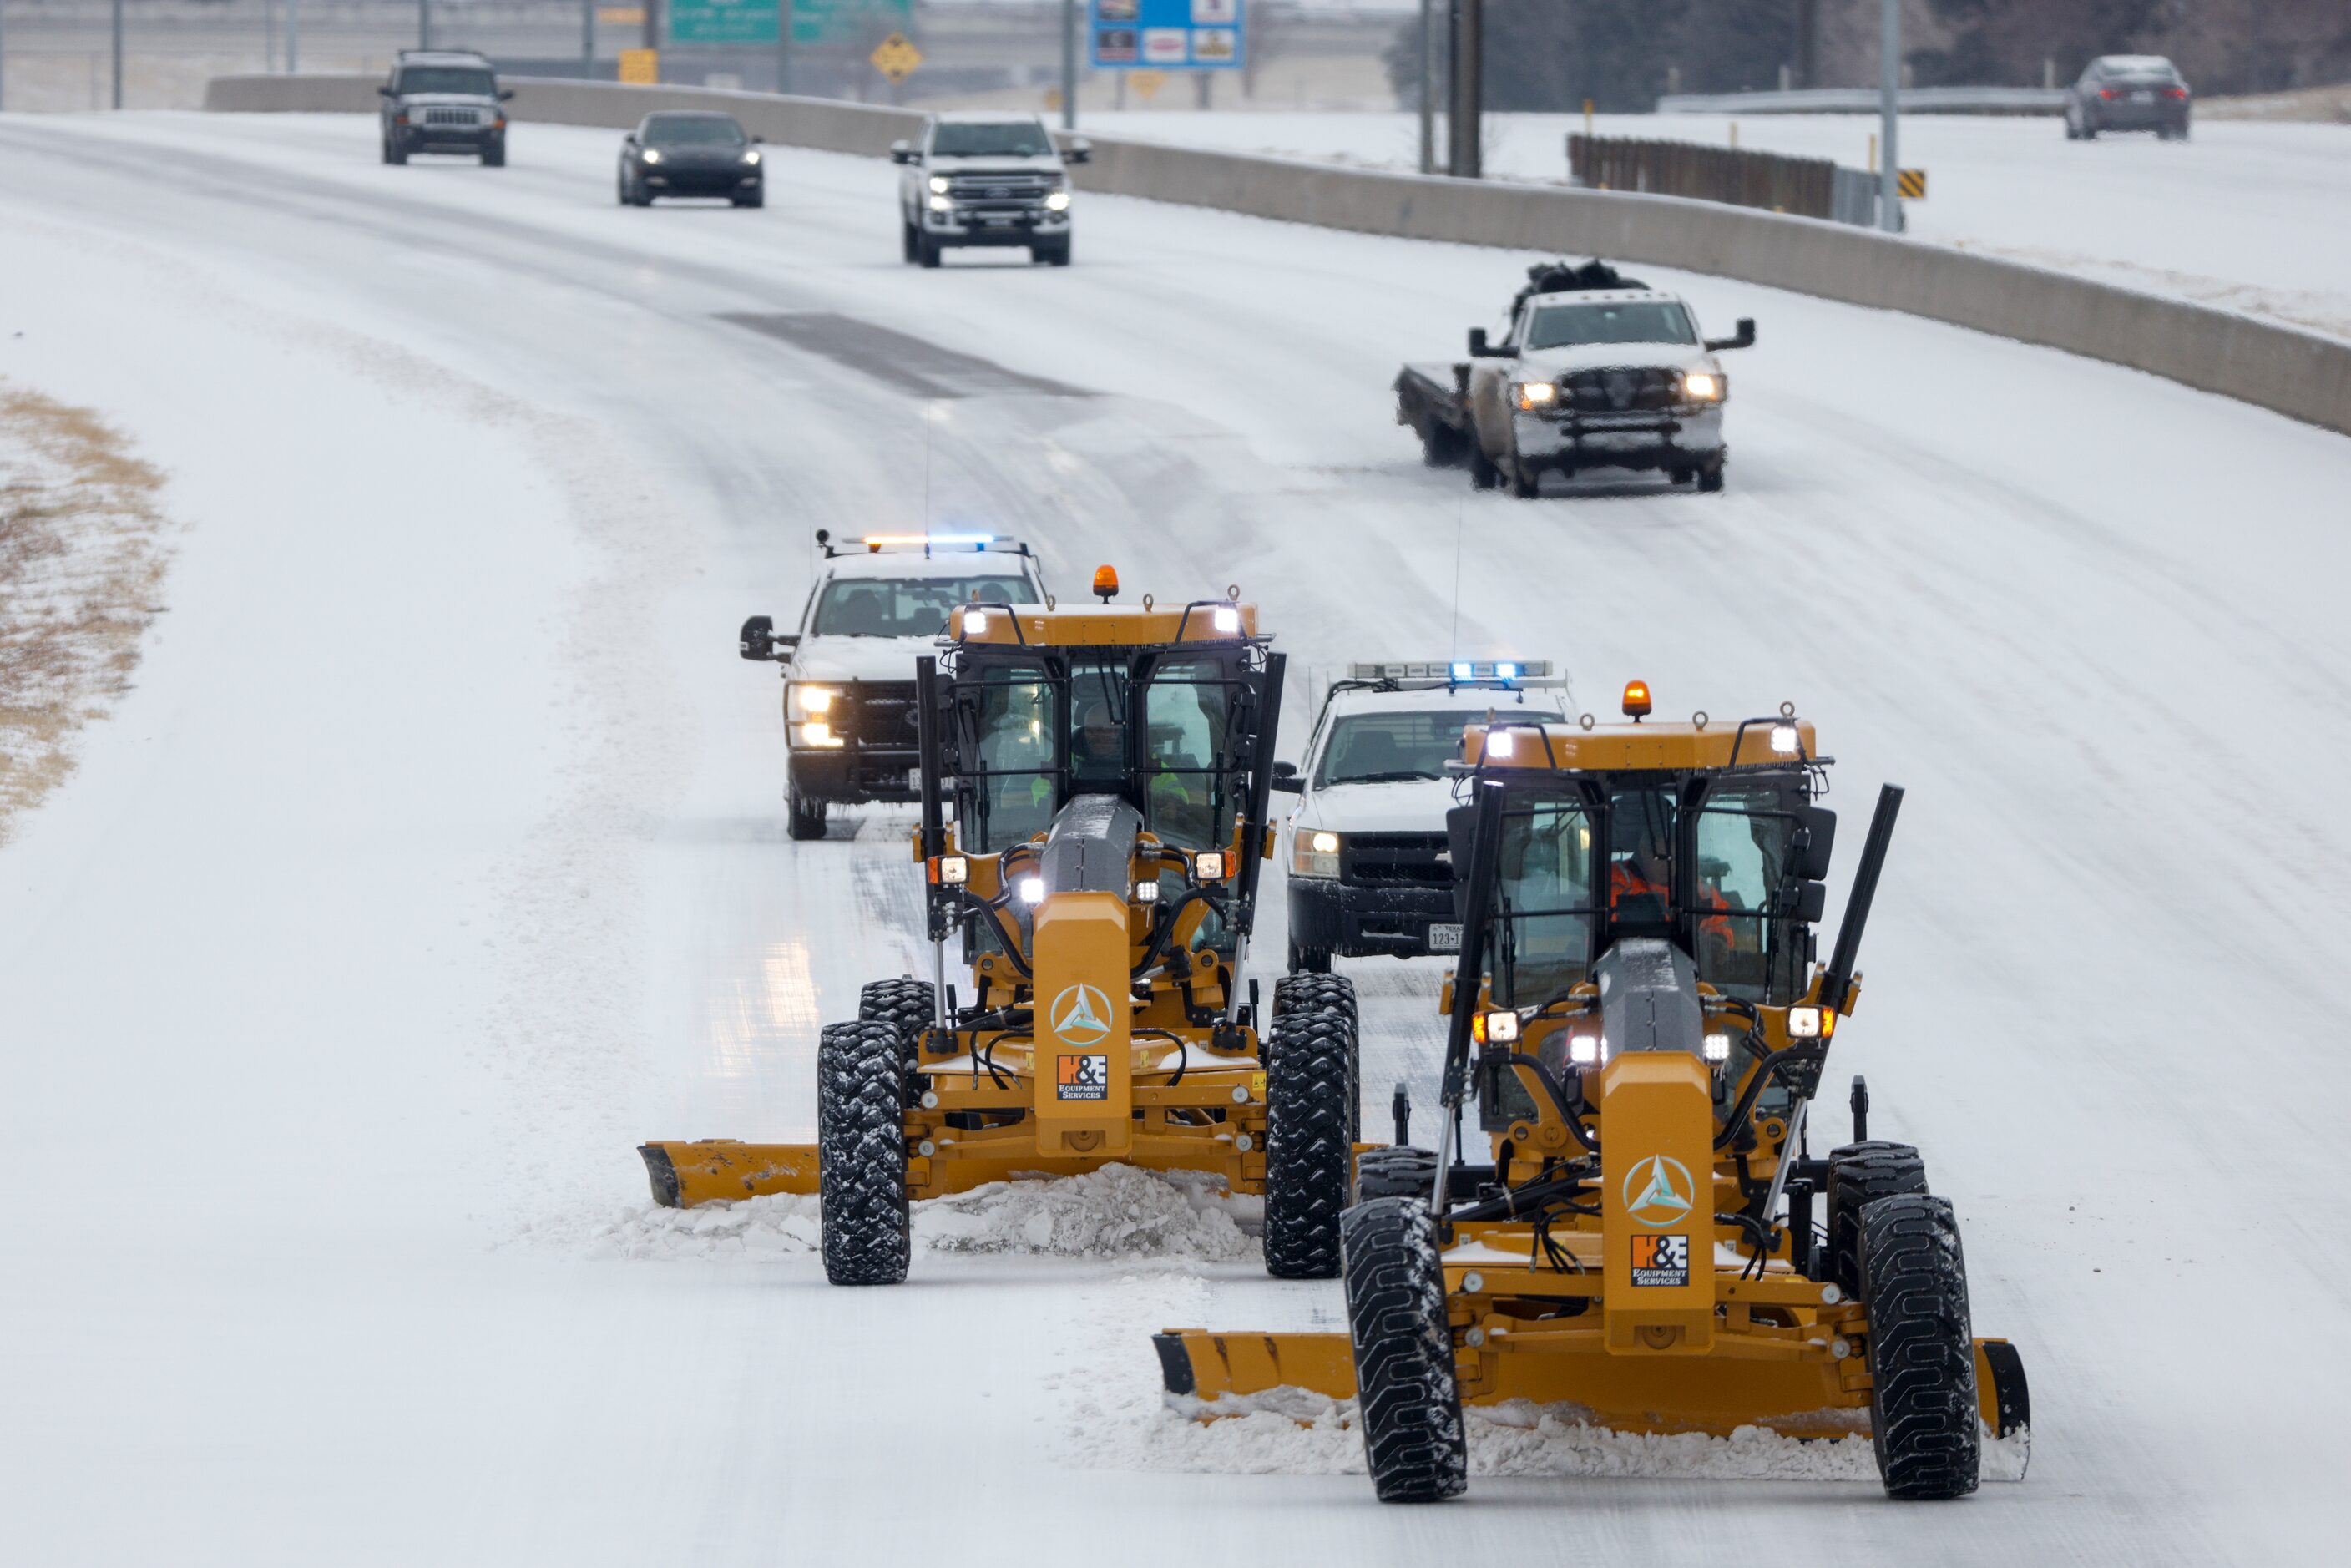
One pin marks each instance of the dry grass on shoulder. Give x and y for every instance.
(82, 553)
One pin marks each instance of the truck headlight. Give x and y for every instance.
(1534, 395)
(802, 701)
(653, 155)
(1702, 386)
(941, 203)
(751, 156)
(1057, 202)
(819, 734)
(1314, 853)
(938, 184)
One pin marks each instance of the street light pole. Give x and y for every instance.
(118, 54)
(1069, 64)
(1462, 159)
(1889, 112)
(1428, 87)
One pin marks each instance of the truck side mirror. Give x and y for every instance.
(383, 89)
(1744, 339)
(1477, 343)
(760, 638)
(902, 152)
(1079, 151)
(1812, 902)
(1286, 779)
(505, 94)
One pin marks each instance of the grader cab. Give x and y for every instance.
(1640, 1026)
(1108, 770)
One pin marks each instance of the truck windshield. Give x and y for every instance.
(693, 131)
(1389, 748)
(990, 139)
(449, 79)
(1634, 321)
(904, 606)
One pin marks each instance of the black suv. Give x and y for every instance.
(444, 100)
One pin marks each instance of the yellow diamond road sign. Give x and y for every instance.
(896, 58)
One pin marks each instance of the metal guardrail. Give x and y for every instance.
(1769, 181)
(1864, 100)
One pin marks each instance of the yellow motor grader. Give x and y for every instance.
(1109, 769)
(1639, 1025)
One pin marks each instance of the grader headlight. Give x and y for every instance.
(1809, 1022)
(1208, 865)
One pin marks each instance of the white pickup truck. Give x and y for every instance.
(984, 179)
(1370, 872)
(878, 604)
(1592, 371)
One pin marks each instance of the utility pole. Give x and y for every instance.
(1890, 111)
(118, 54)
(1461, 148)
(1428, 87)
(1069, 64)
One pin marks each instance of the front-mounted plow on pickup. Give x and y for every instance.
(1639, 1026)
(1109, 770)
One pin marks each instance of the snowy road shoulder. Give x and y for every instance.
(83, 552)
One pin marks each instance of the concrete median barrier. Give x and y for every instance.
(2294, 374)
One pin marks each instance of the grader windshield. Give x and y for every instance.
(1165, 729)
(1704, 861)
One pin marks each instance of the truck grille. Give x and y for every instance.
(1619, 390)
(883, 715)
(1397, 860)
(1008, 192)
(456, 116)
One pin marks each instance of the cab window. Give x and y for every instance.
(1544, 912)
(1741, 838)
(904, 606)
(1098, 728)
(1388, 747)
(1010, 785)
(1187, 715)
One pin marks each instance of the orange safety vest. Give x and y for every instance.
(1625, 881)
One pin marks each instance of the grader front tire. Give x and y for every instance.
(861, 1153)
(1410, 1397)
(1923, 1415)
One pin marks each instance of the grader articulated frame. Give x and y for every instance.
(1639, 1022)
(1110, 771)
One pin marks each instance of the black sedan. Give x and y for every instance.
(683, 154)
(2128, 92)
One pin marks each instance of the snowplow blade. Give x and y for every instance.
(1627, 1394)
(720, 1170)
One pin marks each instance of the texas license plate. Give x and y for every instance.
(1444, 938)
(914, 780)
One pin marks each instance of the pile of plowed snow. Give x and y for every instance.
(1115, 1212)
(1290, 1431)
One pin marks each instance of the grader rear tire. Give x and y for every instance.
(1923, 1417)
(1416, 1446)
(1396, 1171)
(1310, 1090)
(1313, 991)
(1859, 1174)
(861, 1134)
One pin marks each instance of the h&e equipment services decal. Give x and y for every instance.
(1083, 1078)
(1659, 1259)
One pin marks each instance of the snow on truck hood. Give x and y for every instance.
(1406, 805)
(859, 658)
(992, 164)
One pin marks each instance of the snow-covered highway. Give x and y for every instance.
(438, 858)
